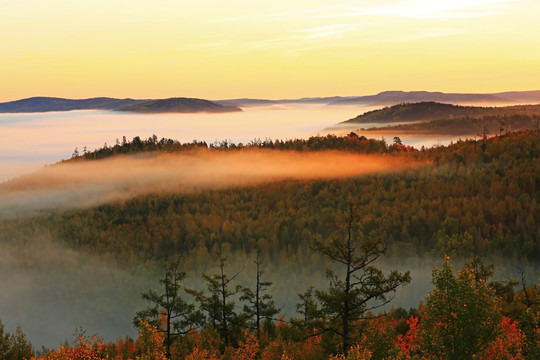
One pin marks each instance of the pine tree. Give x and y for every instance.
(169, 312)
(219, 306)
(347, 298)
(260, 306)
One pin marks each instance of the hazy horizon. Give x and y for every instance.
(33, 140)
(282, 98)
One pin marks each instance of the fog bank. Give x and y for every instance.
(51, 291)
(31, 140)
(89, 183)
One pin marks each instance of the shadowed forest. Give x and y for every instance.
(468, 205)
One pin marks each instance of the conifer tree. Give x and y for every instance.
(219, 305)
(363, 286)
(260, 306)
(169, 312)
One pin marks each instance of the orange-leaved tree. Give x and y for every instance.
(150, 342)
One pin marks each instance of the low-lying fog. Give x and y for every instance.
(51, 290)
(89, 183)
(32, 140)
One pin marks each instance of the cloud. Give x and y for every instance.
(429, 33)
(306, 28)
(418, 9)
(328, 30)
(430, 9)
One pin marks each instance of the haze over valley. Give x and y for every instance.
(34, 138)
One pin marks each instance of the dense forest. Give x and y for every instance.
(468, 126)
(479, 197)
(352, 142)
(426, 111)
(473, 198)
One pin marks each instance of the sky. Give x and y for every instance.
(219, 49)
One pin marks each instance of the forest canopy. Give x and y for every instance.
(478, 197)
(470, 198)
(430, 110)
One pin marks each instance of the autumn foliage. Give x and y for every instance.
(462, 319)
(81, 349)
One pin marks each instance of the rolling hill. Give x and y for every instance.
(395, 97)
(427, 111)
(386, 98)
(180, 105)
(45, 104)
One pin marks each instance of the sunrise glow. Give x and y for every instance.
(215, 49)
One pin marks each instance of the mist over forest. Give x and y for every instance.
(82, 239)
(302, 180)
(83, 184)
(52, 291)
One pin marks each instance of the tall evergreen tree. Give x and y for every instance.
(260, 306)
(363, 287)
(168, 311)
(219, 305)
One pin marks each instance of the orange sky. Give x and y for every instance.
(283, 49)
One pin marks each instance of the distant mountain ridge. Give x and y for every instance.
(45, 104)
(397, 97)
(172, 105)
(393, 97)
(246, 102)
(385, 98)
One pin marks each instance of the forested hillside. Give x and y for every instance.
(473, 198)
(469, 126)
(477, 198)
(426, 111)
